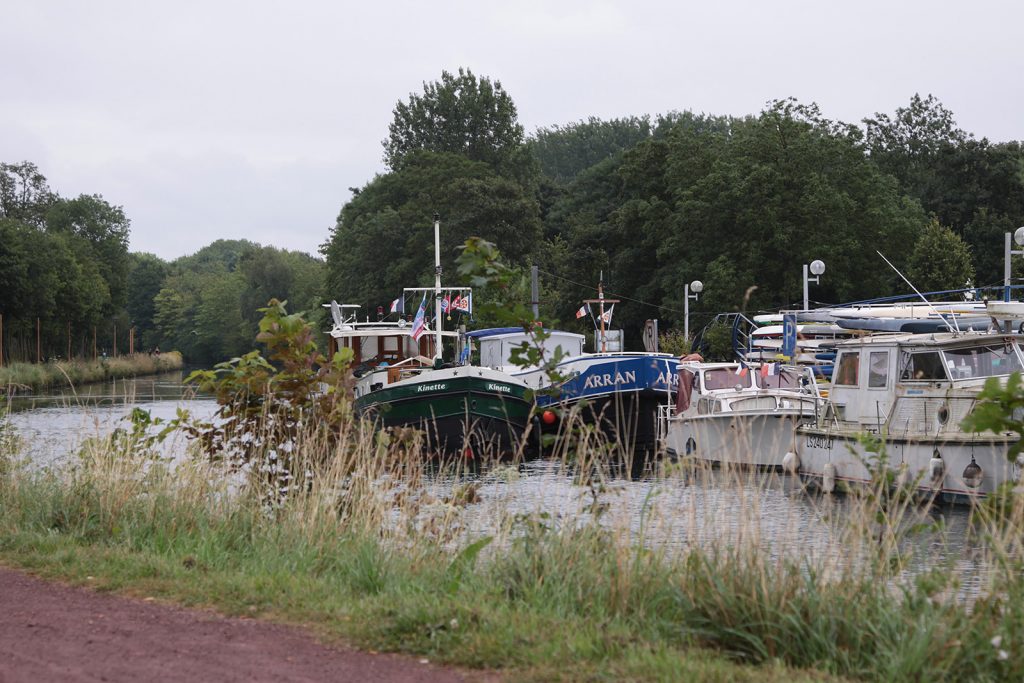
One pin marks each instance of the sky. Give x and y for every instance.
(251, 120)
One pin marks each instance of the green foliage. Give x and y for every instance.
(716, 342)
(268, 406)
(999, 409)
(146, 276)
(207, 305)
(460, 114)
(975, 187)
(940, 260)
(674, 342)
(565, 151)
(25, 196)
(383, 240)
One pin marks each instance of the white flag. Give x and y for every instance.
(607, 315)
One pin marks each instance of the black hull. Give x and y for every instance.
(627, 419)
(474, 439)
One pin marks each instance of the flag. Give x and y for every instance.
(463, 303)
(582, 312)
(742, 369)
(607, 315)
(446, 302)
(419, 323)
(397, 305)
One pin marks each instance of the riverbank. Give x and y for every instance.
(374, 550)
(35, 376)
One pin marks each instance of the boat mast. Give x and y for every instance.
(601, 301)
(437, 286)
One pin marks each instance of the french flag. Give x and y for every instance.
(397, 305)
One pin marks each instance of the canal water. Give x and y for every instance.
(770, 511)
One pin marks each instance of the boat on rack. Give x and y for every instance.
(618, 392)
(732, 414)
(403, 381)
(911, 391)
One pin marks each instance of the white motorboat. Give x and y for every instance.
(729, 413)
(912, 391)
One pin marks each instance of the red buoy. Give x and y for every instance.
(549, 417)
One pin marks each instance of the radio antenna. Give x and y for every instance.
(956, 325)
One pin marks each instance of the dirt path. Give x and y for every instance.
(52, 632)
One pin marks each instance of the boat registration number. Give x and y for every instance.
(817, 441)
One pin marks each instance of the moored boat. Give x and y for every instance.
(911, 392)
(618, 392)
(402, 380)
(730, 414)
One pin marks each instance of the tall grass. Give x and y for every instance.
(37, 376)
(375, 542)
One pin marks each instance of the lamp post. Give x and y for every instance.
(696, 287)
(817, 267)
(1008, 251)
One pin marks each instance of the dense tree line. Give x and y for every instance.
(63, 266)
(66, 263)
(737, 202)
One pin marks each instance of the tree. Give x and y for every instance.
(145, 280)
(459, 114)
(101, 229)
(564, 151)
(940, 260)
(383, 240)
(24, 193)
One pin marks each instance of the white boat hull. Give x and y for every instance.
(758, 440)
(840, 456)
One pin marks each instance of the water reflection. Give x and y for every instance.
(52, 425)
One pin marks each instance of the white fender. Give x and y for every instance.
(790, 462)
(936, 469)
(828, 478)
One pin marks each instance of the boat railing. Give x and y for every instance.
(665, 413)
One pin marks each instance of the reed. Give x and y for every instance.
(37, 376)
(374, 542)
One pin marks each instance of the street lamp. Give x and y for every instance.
(1018, 237)
(696, 287)
(817, 267)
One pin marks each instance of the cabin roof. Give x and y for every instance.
(937, 340)
(498, 332)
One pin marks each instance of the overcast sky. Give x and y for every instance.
(209, 120)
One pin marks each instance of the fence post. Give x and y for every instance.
(115, 341)
(69, 342)
(1, 340)
(94, 343)
(39, 344)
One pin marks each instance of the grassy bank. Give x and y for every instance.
(37, 376)
(370, 547)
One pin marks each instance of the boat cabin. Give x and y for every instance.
(708, 388)
(498, 344)
(916, 383)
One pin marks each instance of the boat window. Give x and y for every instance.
(785, 379)
(924, 367)
(726, 378)
(982, 361)
(763, 403)
(849, 363)
(878, 369)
